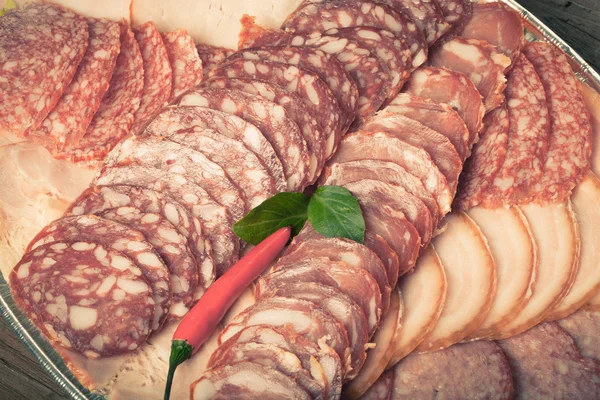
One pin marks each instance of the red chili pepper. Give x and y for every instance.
(197, 326)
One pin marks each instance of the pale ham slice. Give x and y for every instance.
(424, 294)
(515, 254)
(592, 101)
(471, 276)
(557, 237)
(586, 207)
(378, 356)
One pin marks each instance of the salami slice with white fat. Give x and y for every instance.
(174, 120)
(281, 132)
(116, 113)
(570, 147)
(84, 297)
(583, 327)
(42, 46)
(456, 12)
(119, 237)
(211, 56)
(186, 284)
(70, 117)
(427, 14)
(158, 75)
(185, 62)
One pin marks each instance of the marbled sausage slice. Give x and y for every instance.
(185, 62)
(211, 56)
(427, 14)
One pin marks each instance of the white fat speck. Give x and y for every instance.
(23, 271)
(107, 284)
(82, 246)
(150, 259)
(132, 287)
(82, 318)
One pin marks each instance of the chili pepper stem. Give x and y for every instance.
(181, 350)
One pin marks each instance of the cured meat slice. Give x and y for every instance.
(456, 12)
(319, 62)
(296, 109)
(486, 161)
(95, 300)
(384, 147)
(423, 294)
(115, 116)
(592, 102)
(51, 58)
(304, 317)
(471, 276)
(119, 237)
(452, 88)
(242, 166)
(185, 62)
(440, 117)
(246, 380)
(583, 327)
(98, 199)
(440, 149)
(304, 349)
(386, 254)
(546, 364)
(428, 16)
(183, 118)
(341, 307)
(479, 370)
(357, 284)
(352, 253)
(557, 238)
(157, 152)
(158, 75)
(570, 146)
(215, 220)
(585, 200)
(186, 284)
(211, 56)
(480, 62)
(70, 117)
(497, 24)
(318, 16)
(281, 132)
(382, 388)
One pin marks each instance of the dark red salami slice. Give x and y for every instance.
(215, 220)
(453, 88)
(427, 14)
(456, 12)
(272, 120)
(317, 61)
(312, 131)
(497, 24)
(440, 117)
(479, 370)
(478, 60)
(546, 364)
(487, 159)
(382, 389)
(156, 152)
(181, 119)
(70, 117)
(158, 75)
(117, 109)
(185, 62)
(186, 285)
(212, 56)
(42, 46)
(583, 326)
(570, 147)
(119, 237)
(95, 300)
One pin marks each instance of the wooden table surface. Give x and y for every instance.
(576, 21)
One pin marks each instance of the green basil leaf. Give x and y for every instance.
(283, 209)
(334, 212)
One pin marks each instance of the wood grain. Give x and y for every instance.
(575, 21)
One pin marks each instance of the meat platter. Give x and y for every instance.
(472, 149)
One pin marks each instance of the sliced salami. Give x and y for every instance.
(386, 254)
(440, 117)
(211, 56)
(456, 12)
(119, 237)
(281, 132)
(84, 297)
(583, 327)
(570, 147)
(185, 62)
(427, 14)
(319, 62)
(117, 109)
(70, 117)
(382, 388)
(158, 75)
(478, 60)
(216, 221)
(180, 119)
(42, 46)
(453, 88)
(186, 285)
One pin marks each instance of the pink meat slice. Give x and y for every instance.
(185, 62)
(211, 56)
(427, 14)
